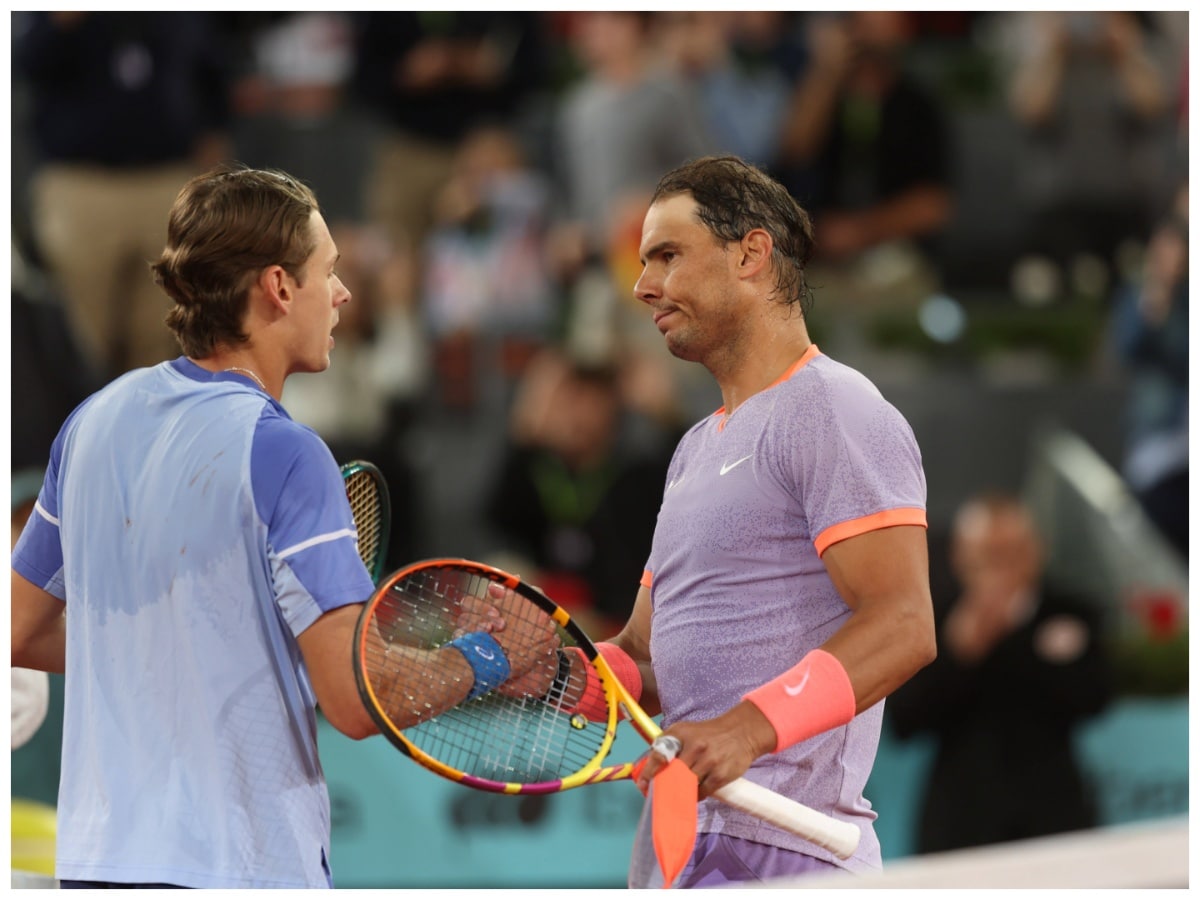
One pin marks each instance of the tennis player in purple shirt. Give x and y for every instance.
(787, 589)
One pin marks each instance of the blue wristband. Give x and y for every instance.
(486, 658)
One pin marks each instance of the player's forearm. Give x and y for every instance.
(881, 649)
(38, 628)
(46, 652)
(883, 576)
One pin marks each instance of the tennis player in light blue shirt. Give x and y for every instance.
(192, 566)
(234, 519)
(202, 547)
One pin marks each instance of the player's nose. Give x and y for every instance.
(647, 288)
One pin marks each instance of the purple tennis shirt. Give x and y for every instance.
(738, 587)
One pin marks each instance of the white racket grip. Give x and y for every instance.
(838, 837)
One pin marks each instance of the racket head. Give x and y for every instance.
(512, 744)
(371, 507)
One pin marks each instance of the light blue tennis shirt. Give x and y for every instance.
(193, 530)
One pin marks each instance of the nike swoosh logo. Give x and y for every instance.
(729, 467)
(793, 690)
(673, 483)
(486, 654)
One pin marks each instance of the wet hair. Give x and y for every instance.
(224, 228)
(732, 198)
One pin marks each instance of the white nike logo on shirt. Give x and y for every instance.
(728, 467)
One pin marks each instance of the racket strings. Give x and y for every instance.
(366, 506)
(508, 735)
(420, 617)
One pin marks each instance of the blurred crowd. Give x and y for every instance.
(485, 175)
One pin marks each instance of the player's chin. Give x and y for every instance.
(680, 347)
(318, 363)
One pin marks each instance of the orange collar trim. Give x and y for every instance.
(808, 356)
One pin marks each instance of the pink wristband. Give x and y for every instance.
(812, 696)
(592, 704)
(623, 667)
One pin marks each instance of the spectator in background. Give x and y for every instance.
(1019, 667)
(625, 119)
(743, 66)
(126, 107)
(292, 104)
(487, 282)
(866, 146)
(1150, 331)
(573, 500)
(430, 78)
(1092, 102)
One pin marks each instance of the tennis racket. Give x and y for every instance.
(371, 507)
(525, 736)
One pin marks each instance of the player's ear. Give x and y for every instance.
(756, 247)
(275, 286)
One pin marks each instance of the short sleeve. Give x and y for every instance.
(300, 495)
(862, 469)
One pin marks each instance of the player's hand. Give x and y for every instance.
(529, 642)
(537, 680)
(718, 750)
(474, 614)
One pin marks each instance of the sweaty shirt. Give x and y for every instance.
(738, 588)
(193, 531)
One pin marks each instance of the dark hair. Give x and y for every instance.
(225, 227)
(732, 198)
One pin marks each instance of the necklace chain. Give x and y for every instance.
(256, 379)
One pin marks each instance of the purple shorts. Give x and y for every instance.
(719, 860)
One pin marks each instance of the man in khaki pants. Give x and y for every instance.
(126, 107)
(99, 259)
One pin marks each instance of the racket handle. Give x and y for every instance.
(838, 837)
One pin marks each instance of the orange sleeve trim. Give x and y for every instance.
(647, 579)
(886, 519)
